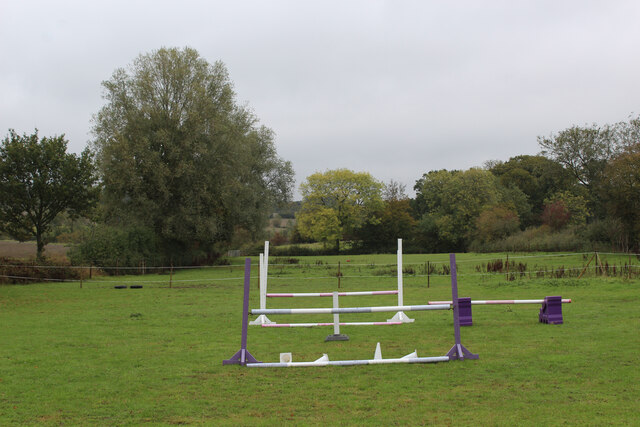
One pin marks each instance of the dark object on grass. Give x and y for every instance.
(337, 337)
(120, 287)
(135, 286)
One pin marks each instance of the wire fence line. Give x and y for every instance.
(322, 264)
(145, 267)
(552, 272)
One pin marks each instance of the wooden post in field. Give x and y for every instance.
(428, 273)
(507, 267)
(586, 266)
(602, 270)
(171, 276)
(339, 274)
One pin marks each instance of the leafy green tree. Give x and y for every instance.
(622, 193)
(178, 155)
(537, 177)
(337, 203)
(395, 221)
(574, 205)
(449, 202)
(627, 134)
(584, 151)
(38, 181)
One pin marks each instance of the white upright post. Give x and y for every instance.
(264, 264)
(263, 290)
(336, 316)
(400, 316)
(337, 336)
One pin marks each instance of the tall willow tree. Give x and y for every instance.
(178, 154)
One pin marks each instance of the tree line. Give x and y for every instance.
(580, 192)
(178, 171)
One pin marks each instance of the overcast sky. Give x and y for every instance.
(394, 88)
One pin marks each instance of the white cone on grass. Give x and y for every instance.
(378, 353)
(324, 358)
(411, 356)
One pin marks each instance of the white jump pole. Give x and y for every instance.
(502, 301)
(311, 325)
(400, 316)
(346, 310)
(330, 294)
(264, 271)
(377, 360)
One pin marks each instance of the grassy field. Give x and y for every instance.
(105, 356)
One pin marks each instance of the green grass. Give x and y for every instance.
(102, 356)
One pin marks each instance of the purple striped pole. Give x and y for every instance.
(242, 356)
(329, 294)
(501, 301)
(458, 351)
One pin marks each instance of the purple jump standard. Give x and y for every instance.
(458, 351)
(551, 311)
(242, 356)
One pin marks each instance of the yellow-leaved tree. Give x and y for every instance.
(336, 203)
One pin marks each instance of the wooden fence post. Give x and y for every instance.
(507, 267)
(171, 276)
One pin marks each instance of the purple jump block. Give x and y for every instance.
(464, 306)
(551, 311)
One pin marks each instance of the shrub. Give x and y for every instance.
(106, 246)
(496, 222)
(25, 272)
(535, 239)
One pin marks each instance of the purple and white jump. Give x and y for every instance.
(263, 320)
(457, 352)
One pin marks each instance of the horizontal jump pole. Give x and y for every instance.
(351, 362)
(310, 325)
(330, 294)
(500, 301)
(346, 310)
